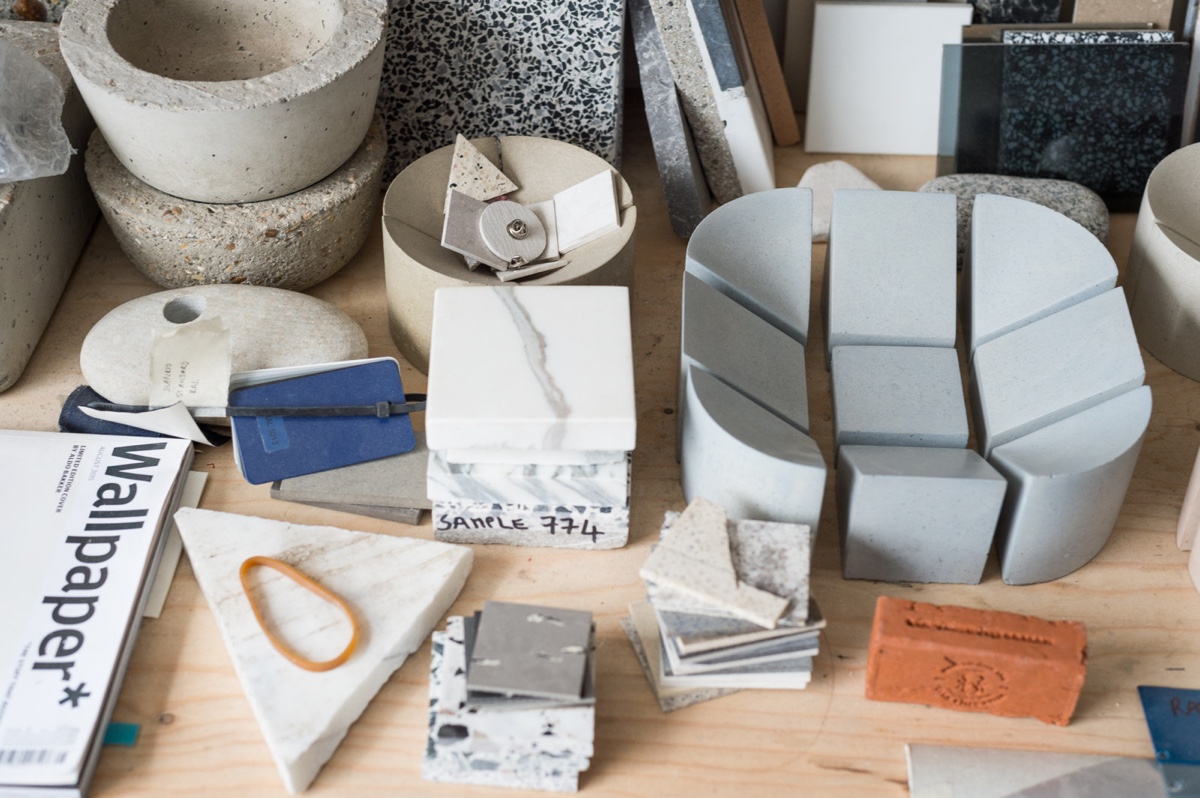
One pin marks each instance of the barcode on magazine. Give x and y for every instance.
(32, 756)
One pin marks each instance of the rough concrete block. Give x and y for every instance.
(757, 250)
(913, 514)
(890, 270)
(686, 192)
(1027, 262)
(1053, 368)
(1067, 482)
(746, 459)
(1005, 664)
(44, 223)
(898, 396)
(722, 337)
(248, 102)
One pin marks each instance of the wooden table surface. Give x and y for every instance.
(198, 736)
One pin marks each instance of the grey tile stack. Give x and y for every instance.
(512, 694)
(729, 607)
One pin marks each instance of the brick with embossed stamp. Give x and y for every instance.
(976, 660)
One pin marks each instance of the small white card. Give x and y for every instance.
(586, 211)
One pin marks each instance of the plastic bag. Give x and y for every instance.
(32, 140)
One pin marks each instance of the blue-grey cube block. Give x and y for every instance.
(912, 514)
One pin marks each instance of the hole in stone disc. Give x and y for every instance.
(183, 309)
(218, 40)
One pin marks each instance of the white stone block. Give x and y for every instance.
(398, 588)
(757, 250)
(249, 101)
(533, 457)
(531, 367)
(748, 460)
(1053, 368)
(748, 353)
(898, 396)
(1067, 482)
(44, 223)
(1026, 262)
(912, 514)
(875, 79)
(891, 270)
(602, 484)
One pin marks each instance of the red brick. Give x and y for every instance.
(976, 660)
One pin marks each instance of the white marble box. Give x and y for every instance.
(531, 367)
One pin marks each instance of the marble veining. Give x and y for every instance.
(534, 344)
(601, 484)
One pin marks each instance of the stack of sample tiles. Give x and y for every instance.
(530, 418)
(743, 390)
(728, 608)
(512, 695)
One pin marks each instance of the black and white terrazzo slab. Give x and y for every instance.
(502, 68)
(993, 11)
(1088, 36)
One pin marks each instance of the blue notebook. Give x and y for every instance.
(271, 448)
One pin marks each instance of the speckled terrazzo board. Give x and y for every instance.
(502, 67)
(1102, 115)
(989, 11)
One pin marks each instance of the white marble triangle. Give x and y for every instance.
(398, 587)
(474, 175)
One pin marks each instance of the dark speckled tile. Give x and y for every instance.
(1101, 115)
(990, 11)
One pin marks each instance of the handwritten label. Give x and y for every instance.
(545, 525)
(191, 363)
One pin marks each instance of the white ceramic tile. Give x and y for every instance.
(875, 78)
(531, 367)
(586, 211)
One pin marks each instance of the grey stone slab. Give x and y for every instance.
(898, 396)
(401, 515)
(44, 223)
(686, 192)
(669, 699)
(604, 484)
(560, 527)
(1067, 482)
(890, 273)
(745, 458)
(757, 250)
(390, 482)
(1027, 262)
(694, 634)
(913, 514)
(744, 351)
(528, 649)
(1054, 368)
(1072, 200)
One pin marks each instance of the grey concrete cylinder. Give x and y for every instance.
(417, 265)
(218, 101)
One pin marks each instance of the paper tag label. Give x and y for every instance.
(274, 435)
(191, 363)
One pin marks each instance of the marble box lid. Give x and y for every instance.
(531, 367)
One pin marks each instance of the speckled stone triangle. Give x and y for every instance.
(474, 175)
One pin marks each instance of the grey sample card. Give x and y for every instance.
(530, 650)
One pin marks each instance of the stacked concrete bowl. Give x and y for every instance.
(235, 139)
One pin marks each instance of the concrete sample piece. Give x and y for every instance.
(823, 179)
(44, 223)
(1005, 664)
(397, 482)
(914, 514)
(1072, 200)
(1163, 275)
(291, 242)
(603, 485)
(416, 265)
(1189, 513)
(1027, 262)
(397, 587)
(1067, 482)
(550, 526)
(1156, 11)
(684, 187)
(1053, 368)
(757, 250)
(746, 459)
(898, 396)
(890, 270)
(252, 102)
(747, 353)
(497, 67)
(875, 75)
(268, 328)
(562, 354)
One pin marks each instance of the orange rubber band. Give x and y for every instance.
(308, 584)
